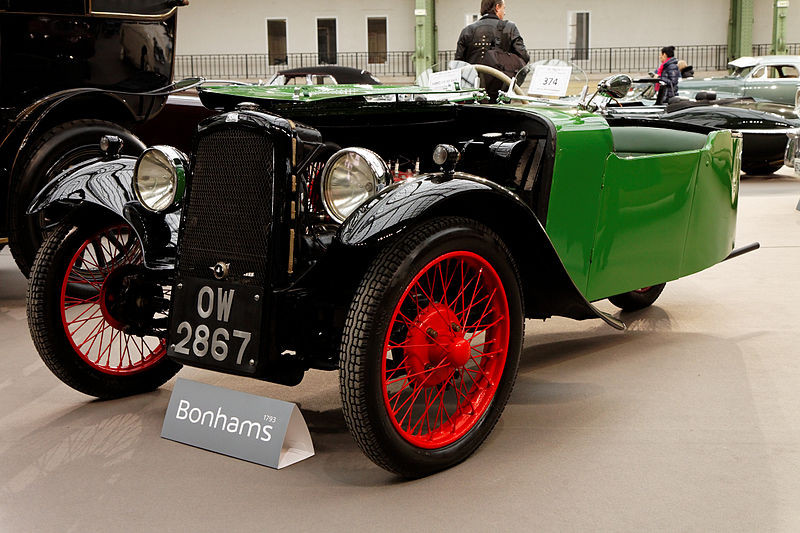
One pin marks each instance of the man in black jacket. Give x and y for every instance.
(490, 32)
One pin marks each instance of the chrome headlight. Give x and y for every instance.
(159, 178)
(350, 177)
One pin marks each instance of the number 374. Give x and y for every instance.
(205, 341)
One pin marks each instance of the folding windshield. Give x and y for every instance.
(740, 72)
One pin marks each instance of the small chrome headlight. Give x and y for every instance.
(350, 177)
(159, 177)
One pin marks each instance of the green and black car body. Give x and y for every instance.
(396, 234)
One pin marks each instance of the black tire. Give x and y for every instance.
(57, 311)
(55, 151)
(638, 299)
(761, 169)
(367, 367)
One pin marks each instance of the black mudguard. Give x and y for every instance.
(548, 288)
(103, 188)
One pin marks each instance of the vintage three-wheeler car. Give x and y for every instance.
(401, 235)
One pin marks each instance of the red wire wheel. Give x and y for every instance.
(89, 297)
(637, 299)
(88, 288)
(445, 350)
(431, 346)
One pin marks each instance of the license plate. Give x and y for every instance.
(216, 324)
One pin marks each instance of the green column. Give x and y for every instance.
(425, 32)
(740, 29)
(779, 26)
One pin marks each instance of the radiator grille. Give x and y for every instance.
(229, 212)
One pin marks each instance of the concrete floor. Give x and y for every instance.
(687, 421)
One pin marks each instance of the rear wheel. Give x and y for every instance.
(638, 299)
(57, 150)
(431, 347)
(91, 311)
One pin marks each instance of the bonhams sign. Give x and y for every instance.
(257, 429)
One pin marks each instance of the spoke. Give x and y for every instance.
(446, 285)
(93, 250)
(463, 394)
(99, 285)
(485, 375)
(426, 371)
(83, 321)
(402, 346)
(94, 316)
(417, 389)
(474, 294)
(428, 404)
(486, 354)
(486, 310)
(100, 349)
(126, 350)
(107, 350)
(430, 299)
(92, 336)
(75, 302)
(487, 327)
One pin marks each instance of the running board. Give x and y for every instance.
(612, 321)
(743, 250)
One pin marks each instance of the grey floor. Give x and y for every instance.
(687, 421)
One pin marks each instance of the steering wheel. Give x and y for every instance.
(491, 71)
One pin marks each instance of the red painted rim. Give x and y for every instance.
(445, 350)
(95, 335)
(643, 289)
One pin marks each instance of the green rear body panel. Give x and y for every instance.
(624, 221)
(646, 205)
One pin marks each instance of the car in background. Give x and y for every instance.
(792, 157)
(773, 78)
(71, 73)
(764, 125)
(323, 75)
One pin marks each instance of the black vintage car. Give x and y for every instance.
(329, 227)
(120, 50)
(323, 75)
(763, 125)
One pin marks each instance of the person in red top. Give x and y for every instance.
(669, 73)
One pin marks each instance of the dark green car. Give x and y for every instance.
(399, 235)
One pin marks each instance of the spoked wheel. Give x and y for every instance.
(93, 313)
(638, 299)
(431, 347)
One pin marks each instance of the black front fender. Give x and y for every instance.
(103, 187)
(548, 288)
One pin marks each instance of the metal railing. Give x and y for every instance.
(257, 66)
(401, 64)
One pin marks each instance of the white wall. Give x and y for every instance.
(238, 26)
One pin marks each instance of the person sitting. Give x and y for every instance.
(687, 71)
